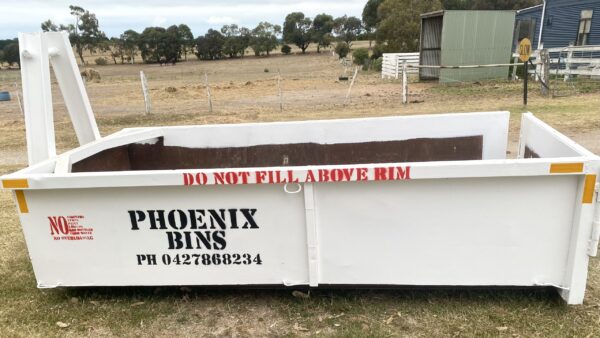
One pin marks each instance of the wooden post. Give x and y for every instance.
(514, 68)
(538, 65)
(345, 63)
(147, 101)
(279, 90)
(19, 99)
(351, 83)
(208, 93)
(568, 64)
(545, 71)
(404, 83)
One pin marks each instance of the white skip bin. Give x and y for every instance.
(419, 200)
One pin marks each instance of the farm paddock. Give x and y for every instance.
(244, 92)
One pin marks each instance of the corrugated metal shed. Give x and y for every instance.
(431, 45)
(467, 38)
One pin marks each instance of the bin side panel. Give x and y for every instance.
(494, 231)
(493, 127)
(539, 140)
(105, 246)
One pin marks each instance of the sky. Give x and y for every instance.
(116, 16)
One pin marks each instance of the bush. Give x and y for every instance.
(285, 49)
(377, 52)
(360, 56)
(342, 49)
(101, 61)
(377, 64)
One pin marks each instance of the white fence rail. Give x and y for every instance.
(572, 60)
(392, 64)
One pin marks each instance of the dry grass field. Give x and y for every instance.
(244, 90)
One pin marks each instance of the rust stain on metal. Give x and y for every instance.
(160, 157)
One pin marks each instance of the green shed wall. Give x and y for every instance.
(476, 38)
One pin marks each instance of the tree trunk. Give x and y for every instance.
(318, 48)
(80, 53)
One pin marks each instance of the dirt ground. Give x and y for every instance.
(245, 90)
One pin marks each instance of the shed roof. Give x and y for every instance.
(530, 9)
(433, 14)
(441, 12)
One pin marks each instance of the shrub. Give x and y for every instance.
(285, 49)
(342, 49)
(360, 56)
(377, 52)
(377, 64)
(101, 61)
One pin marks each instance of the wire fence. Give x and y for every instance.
(246, 86)
(555, 72)
(270, 85)
(570, 70)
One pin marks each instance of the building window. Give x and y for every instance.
(585, 26)
(525, 29)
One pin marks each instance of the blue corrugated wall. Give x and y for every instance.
(565, 22)
(565, 16)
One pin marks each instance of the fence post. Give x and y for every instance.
(147, 102)
(351, 84)
(538, 66)
(545, 71)
(19, 99)
(568, 64)
(397, 65)
(208, 93)
(514, 68)
(279, 90)
(404, 83)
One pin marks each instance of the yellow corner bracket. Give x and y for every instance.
(566, 168)
(588, 189)
(15, 184)
(21, 201)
